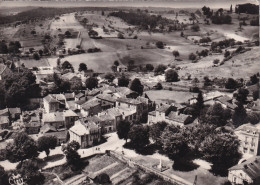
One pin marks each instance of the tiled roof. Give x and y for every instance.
(4, 111)
(81, 128)
(251, 167)
(81, 102)
(69, 95)
(2, 68)
(50, 99)
(107, 97)
(72, 105)
(128, 101)
(53, 117)
(181, 118)
(59, 135)
(79, 95)
(47, 128)
(4, 119)
(163, 108)
(15, 110)
(90, 104)
(69, 113)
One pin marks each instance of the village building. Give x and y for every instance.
(122, 68)
(249, 136)
(4, 70)
(31, 121)
(170, 114)
(4, 122)
(15, 113)
(90, 108)
(54, 102)
(85, 133)
(106, 100)
(57, 119)
(136, 105)
(247, 172)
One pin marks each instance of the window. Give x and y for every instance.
(234, 179)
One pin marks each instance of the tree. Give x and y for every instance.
(45, 143)
(109, 77)
(3, 176)
(231, 84)
(93, 34)
(215, 115)
(254, 79)
(174, 142)
(123, 129)
(256, 94)
(131, 64)
(139, 136)
(76, 84)
(176, 53)
(30, 170)
(82, 67)
(216, 61)
(171, 76)
(160, 45)
(253, 117)
(200, 102)
(36, 56)
(195, 27)
(123, 81)
(239, 116)
(227, 54)
(66, 65)
(158, 86)
(120, 36)
(137, 86)
(222, 149)
(160, 69)
(155, 132)
(91, 83)
(241, 95)
(207, 81)
(72, 156)
(23, 147)
(149, 67)
(192, 56)
(102, 178)
(231, 9)
(67, 34)
(3, 48)
(116, 63)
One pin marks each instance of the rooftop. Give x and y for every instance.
(129, 101)
(251, 167)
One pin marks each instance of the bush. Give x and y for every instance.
(216, 61)
(192, 56)
(223, 19)
(231, 84)
(120, 36)
(160, 45)
(171, 76)
(158, 86)
(205, 40)
(2, 155)
(195, 27)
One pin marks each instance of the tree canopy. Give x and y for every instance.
(45, 143)
(123, 129)
(123, 81)
(72, 156)
(23, 147)
(82, 67)
(139, 136)
(137, 86)
(91, 83)
(171, 76)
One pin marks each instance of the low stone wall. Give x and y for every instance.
(173, 178)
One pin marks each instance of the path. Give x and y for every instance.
(55, 175)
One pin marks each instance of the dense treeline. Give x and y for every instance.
(17, 87)
(247, 8)
(144, 20)
(43, 13)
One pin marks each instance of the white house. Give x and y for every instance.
(247, 172)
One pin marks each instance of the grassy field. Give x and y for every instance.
(176, 96)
